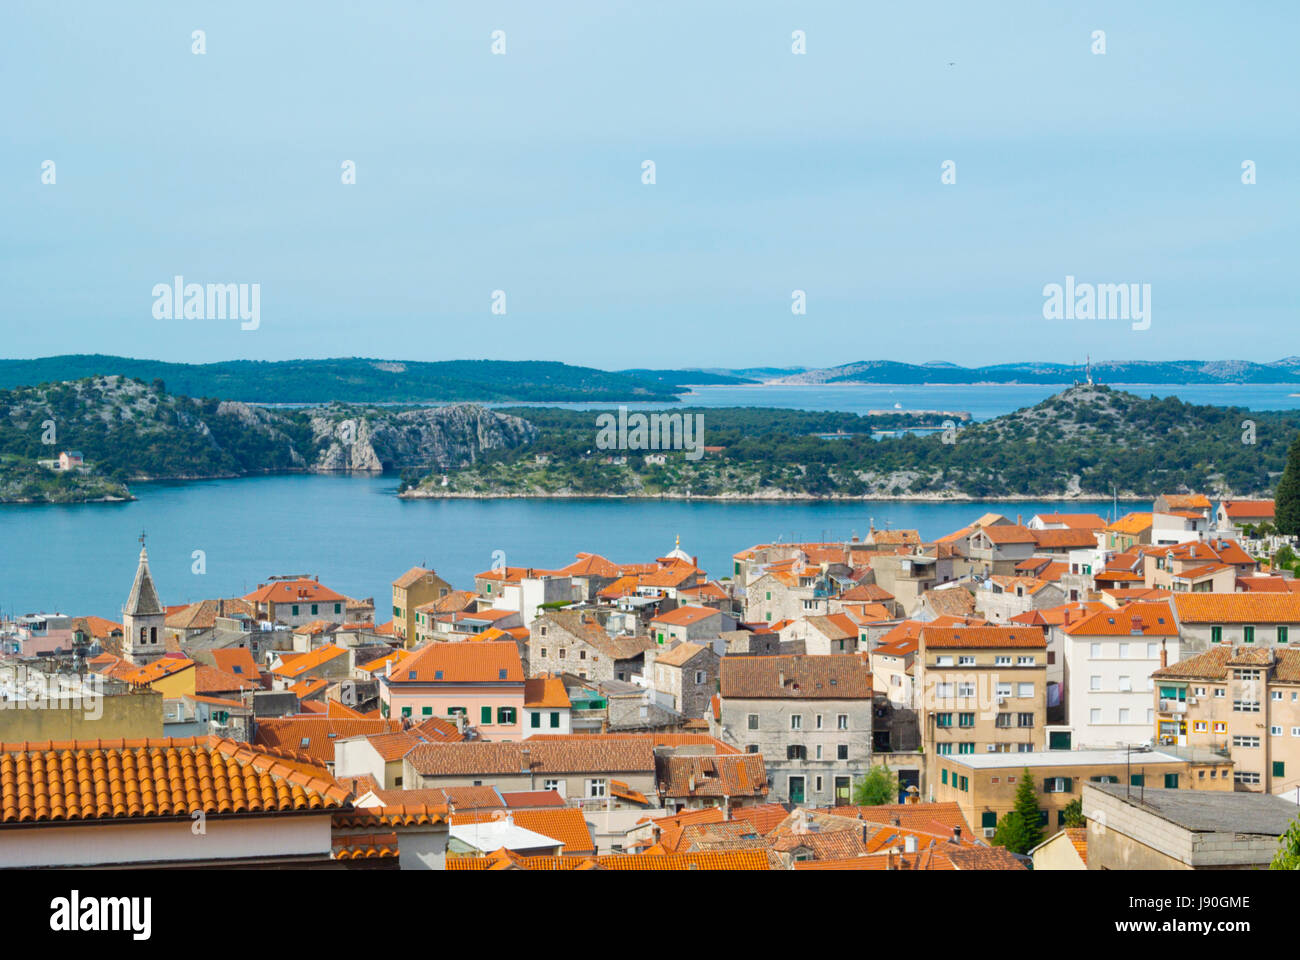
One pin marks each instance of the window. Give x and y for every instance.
(562, 651)
(1094, 715)
(1136, 780)
(1153, 651)
(943, 661)
(1281, 635)
(965, 661)
(1058, 785)
(1244, 777)
(1125, 684)
(943, 749)
(543, 652)
(485, 715)
(1200, 726)
(842, 722)
(534, 720)
(338, 608)
(313, 609)
(1094, 683)
(796, 721)
(1025, 661)
(819, 751)
(1123, 650)
(426, 711)
(1220, 692)
(1277, 695)
(1094, 652)
(842, 751)
(965, 690)
(1249, 634)
(965, 719)
(595, 788)
(1216, 634)
(1024, 690)
(1124, 714)
(1220, 726)
(582, 654)
(1279, 768)
(752, 722)
(751, 748)
(1003, 689)
(965, 784)
(1024, 719)
(1244, 741)
(796, 751)
(966, 747)
(505, 715)
(819, 721)
(1275, 730)
(1171, 781)
(1002, 720)
(943, 776)
(555, 719)
(406, 711)
(295, 609)
(699, 677)
(943, 719)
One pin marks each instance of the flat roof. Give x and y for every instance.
(1062, 758)
(1210, 811)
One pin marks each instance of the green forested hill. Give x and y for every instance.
(351, 380)
(1085, 441)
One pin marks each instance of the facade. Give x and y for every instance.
(483, 682)
(575, 642)
(415, 587)
(1248, 619)
(1243, 702)
(980, 690)
(547, 707)
(685, 678)
(1109, 659)
(984, 785)
(296, 601)
(809, 716)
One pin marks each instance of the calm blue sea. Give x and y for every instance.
(357, 536)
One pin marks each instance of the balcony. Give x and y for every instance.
(1173, 706)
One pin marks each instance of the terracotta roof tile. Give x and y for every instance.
(838, 676)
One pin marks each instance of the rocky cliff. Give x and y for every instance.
(374, 440)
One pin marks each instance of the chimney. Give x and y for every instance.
(780, 678)
(909, 844)
(956, 834)
(1164, 655)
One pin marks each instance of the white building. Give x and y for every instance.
(1109, 659)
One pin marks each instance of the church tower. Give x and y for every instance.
(144, 619)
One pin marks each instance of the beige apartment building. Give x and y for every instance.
(415, 587)
(984, 785)
(981, 690)
(1243, 702)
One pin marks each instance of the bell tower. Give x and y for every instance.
(144, 619)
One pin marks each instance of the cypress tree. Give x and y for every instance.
(1287, 515)
(1020, 831)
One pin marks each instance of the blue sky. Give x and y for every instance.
(775, 172)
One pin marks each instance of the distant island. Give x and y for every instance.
(365, 380)
(87, 439)
(1087, 442)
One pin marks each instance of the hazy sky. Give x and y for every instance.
(477, 172)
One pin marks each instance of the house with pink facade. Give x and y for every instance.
(484, 681)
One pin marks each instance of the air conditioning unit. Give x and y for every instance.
(1191, 701)
(1164, 706)
(1001, 700)
(992, 748)
(989, 832)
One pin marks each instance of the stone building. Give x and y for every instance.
(575, 642)
(809, 716)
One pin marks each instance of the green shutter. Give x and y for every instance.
(426, 711)
(1250, 634)
(1171, 781)
(1069, 784)
(1279, 768)
(555, 718)
(534, 719)
(988, 819)
(485, 715)
(1135, 779)
(295, 609)
(943, 775)
(1216, 634)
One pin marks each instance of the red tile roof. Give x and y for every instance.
(490, 662)
(159, 777)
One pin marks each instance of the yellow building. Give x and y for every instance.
(415, 587)
(981, 690)
(984, 785)
(1243, 702)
